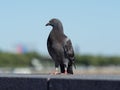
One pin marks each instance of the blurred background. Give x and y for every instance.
(92, 25)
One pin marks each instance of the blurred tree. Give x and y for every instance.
(20, 60)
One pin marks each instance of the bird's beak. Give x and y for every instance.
(47, 24)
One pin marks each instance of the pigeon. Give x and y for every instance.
(60, 48)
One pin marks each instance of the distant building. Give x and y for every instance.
(21, 49)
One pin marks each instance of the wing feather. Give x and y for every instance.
(68, 50)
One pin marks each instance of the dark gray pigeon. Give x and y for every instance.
(60, 47)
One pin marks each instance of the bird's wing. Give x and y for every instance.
(68, 50)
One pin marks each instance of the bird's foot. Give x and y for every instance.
(65, 72)
(55, 73)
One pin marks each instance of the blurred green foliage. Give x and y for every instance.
(19, 60)
(23, 60)
(97, 60)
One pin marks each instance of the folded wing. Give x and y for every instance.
(68, 50)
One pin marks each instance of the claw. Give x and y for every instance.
(55, 73)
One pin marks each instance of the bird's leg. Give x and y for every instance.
(56, 71)
(62, 68)
(65, 70)
(56, 68)
(70, 68)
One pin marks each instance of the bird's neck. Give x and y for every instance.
(59, 29)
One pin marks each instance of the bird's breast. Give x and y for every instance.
(57, 46)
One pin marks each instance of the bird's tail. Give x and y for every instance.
(72, 61)
(74, 65)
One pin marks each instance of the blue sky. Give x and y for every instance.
(92, 25)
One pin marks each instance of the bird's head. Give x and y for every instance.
(54, 23)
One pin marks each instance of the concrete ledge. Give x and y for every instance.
(22, 82)
(77, 84)
(85, 82)
(59, 82)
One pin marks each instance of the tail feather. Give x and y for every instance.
(74, 65)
